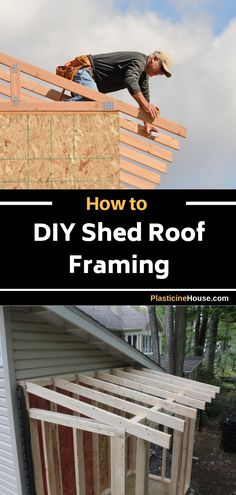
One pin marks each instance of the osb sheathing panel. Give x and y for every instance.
(59, 151)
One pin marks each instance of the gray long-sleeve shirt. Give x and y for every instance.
(120, 70)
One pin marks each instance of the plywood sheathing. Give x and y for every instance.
(69, 151)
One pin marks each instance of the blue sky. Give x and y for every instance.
(220, 11)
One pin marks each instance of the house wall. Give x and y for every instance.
(40, 349)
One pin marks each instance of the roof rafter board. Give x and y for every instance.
(166, 387)
(139, 129)
(141, 431)
(146, 146)
(80, 320)
(91, 94)
(135, 181)
(53, 106)
(124, 405)
(175, 387)
(111, 383)
(140, 171)
(194, 382)
(74, 422)
(137, 384)
(143, 159)
(124, 123)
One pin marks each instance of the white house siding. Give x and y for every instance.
(8, 479)
(40, 349)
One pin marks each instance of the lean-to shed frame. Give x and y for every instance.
(29, 92)
(95, 405)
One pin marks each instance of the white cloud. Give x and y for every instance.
(201, 95)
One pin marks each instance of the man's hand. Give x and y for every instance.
(149, 128)
(151, 109)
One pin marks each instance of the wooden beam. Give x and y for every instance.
(145, 146)
(15, 84)
(51, 459)
(35, 448)
(79, 462)
(52, 106)
(118, 465)
(106, 417)
(90, 93)
(140, 171)
(132, 180)
(128, 388)
(6, 91)
(121, 404)
(142, 458)
(195, 383)
(165, 394)
(183, 465)
(192, 423)
(143, 159)
(136, 128)
(175, 466)
(183, 388)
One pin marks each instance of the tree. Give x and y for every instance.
(201, 329)
(170, 339)
(180, 338)
(154, 329)
(212, 340)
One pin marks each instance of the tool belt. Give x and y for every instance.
(70, 68)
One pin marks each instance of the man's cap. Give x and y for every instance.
(166, 61)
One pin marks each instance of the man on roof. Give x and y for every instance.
(110, 72)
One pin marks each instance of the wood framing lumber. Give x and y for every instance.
(89, 93)
(53, 106)
(189, 461)
(106, 417)
(118, 465)
(139, 171)
(158, 417)
(139, 129)
(143, 159)
(183, 465)
(37, 461)
(135, 181)
(51, 459)
(195, 383)
(153, 390)
(164, 458)
(71, 421)
(183, 388)
(121, 404)
(15, 84)
(141, 477)
(176, 459)
(6, 91)
(79, 465)
(127, 388)
(34, 87)
(146, 147)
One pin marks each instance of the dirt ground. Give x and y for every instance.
(214, 471)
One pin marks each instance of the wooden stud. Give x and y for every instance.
(79, 462)
(176, 458)
(35, 449)
(192, 423)
(50, 458)
(142, 458)
(164, 459)
(118, 465)
(15, 84)
(184, 454)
